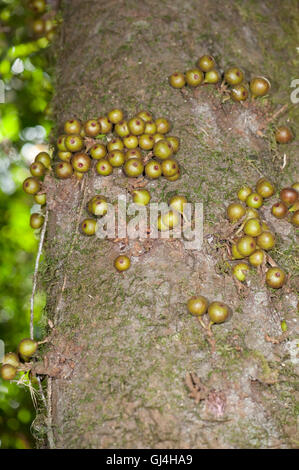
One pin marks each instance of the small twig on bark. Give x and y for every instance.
(49, 415)
(274, 116)
(40, 247)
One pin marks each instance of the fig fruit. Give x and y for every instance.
(198, 305)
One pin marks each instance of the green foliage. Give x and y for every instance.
(28, 89)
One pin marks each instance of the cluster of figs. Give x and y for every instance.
(206, 72)
(139, 146)
(40, 25)
(253, 238)
(288, 205)
(12, 361)
(218, 312)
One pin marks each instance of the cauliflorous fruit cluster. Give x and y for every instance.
(12, 361)
(139, 145)
(43, 25)
(288, 206)
(206, 72)
(218, 312)
(253, 238)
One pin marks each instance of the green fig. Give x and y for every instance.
(197, 305)
(122, 263)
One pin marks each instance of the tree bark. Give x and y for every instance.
(123, 344)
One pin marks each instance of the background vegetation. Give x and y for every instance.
(24, 125)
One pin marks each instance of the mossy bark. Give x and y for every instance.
(123, 343)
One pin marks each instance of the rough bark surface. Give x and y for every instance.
(123, 343)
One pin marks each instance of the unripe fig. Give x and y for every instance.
(104, 167)
(133, 153)
(122, 129)
(61, 143)
(98, 206)
(40, 199)
(98, 151)
(171, 219)
(131, 141)
(31, 185)
(234, 76)
(116, 158)
(115, 144)
(27, 347)
(266, 241)
(253, 227)
(141, 197)
(105, 125)
(88, 226)
(146, 116)
(158, 137)
(194, 77)
(169, 167)
(279, 210)
(150, 128)
(251, 213)
(239, 93)
(122, 263)
(177, 203)
(254, 200)
(246, 245)
(11, 359)
(163, 149)
(177, 80)
(115, 115)
(265, 188)
(218, 312)
(92, 128)
(133, 167)
(283, 135)
(257, 258)
(63, 170)
(44, 158)
(37, 169)
(235, 211)
(136, 126)
(72, 126)
(8, 372)
(36, 220)
(296, 186)
(235, 252)
(275, 277)
(73, 143)
(289, 196)
(163, 125)
(212, 77)
(206, 63)
(175, 143)
(81, 162)
(244, 192)
(259, 86)
(240, 271)
(153, 169)
(64, 156)
(198, 305)
(146, 141)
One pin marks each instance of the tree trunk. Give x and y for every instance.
(122, 344)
